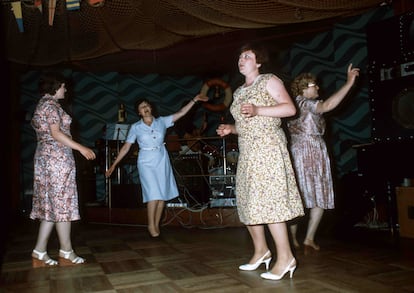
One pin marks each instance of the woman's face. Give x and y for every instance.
(144, 109)
(60, 93)
(247, 62)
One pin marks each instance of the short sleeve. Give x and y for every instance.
(132, 134)
(309, 105)
(168, 121)
(51, 112)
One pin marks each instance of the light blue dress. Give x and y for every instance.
(154, 166)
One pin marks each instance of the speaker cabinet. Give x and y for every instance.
(392, 108)
(391, 76)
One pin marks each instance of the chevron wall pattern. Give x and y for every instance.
(97, 96)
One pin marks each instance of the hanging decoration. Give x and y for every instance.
(17, 11)
(72, 4)
(52, 8)
(38, 5)
(96, 3)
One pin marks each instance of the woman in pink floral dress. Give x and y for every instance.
(309, 151)
(55, 196)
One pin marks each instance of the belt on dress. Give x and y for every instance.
(153, 148)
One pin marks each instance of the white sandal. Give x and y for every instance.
(65, 258)
(41, 259)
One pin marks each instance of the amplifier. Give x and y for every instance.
(223, 202)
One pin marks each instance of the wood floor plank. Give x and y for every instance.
(126, 259)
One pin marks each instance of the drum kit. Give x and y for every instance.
(222, 161)
(220, 155)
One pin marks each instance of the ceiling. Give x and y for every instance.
(161, 36)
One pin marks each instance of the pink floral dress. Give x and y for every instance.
(310, 155)
(55, 195)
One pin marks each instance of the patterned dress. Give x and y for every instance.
(266, 190)
(55, 195)
(154, 166)
(310, 155)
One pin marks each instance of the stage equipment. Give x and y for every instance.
(207, 175)
(391, 78)
(384, 163)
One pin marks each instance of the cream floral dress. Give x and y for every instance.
(266, 189)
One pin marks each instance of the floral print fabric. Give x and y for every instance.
(55, 195)
(266, 190)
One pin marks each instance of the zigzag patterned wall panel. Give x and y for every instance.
(95, 100)
(97, 96)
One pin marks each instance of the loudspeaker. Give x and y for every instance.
(392, 109)
(192, 178)
(391, 77)
(126, 196)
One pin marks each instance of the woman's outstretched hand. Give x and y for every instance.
(200, 98)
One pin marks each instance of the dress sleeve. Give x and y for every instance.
(132, 134)
(309, 105)
(168, 121)
(51, 112)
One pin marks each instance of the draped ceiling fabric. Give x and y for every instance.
(150, 35)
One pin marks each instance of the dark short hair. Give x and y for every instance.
(145, 100)
(262, 55)
(50, 82)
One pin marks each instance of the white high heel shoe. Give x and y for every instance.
(290, 268)
(263, 259)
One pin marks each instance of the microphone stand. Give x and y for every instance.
(118, 174)
(224, 159)
(107, 180)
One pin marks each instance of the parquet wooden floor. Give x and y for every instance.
(125, 259)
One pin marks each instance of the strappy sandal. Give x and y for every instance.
(41, 259)
(69, 258)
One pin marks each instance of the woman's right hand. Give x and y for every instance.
(109, 171)
(224, 129)
(88, 153)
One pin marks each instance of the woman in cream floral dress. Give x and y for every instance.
(266, 189)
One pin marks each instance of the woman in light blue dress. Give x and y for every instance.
(154, 166)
